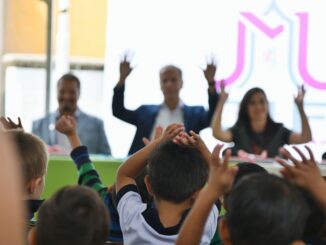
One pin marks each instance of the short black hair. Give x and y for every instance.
(74, 215)
(70, 77)
(265, 210)
(244, 169)
(176, 172)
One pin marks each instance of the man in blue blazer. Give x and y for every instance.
(172, 110)
(90, 129)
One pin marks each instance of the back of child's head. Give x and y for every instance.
(244, 169)
(264, 209)
(316, 219)
(32, 152)
(73, 216)
(176, 172)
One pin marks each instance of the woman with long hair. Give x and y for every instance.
(255, 132)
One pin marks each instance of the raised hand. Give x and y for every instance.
(9, 124)
(66, 125)
(304, 173)
(221, 176)
(210, 70)
(125, 67)
(171, 131)
(300, 96)
(223, 94)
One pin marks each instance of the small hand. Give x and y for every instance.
(66, 125)
(125, 67)
(220, 175)
(300, 96)
(210, 70)
(9, 124)
(157, 134)
(223, 95)
(304, 173)
(171, 131)
(193, 140)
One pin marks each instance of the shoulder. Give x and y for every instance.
(46, 119)
(90, 118)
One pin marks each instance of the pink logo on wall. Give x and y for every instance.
(272, 32)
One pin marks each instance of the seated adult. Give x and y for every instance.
(90, 128)
(171, 110)
(255, 134)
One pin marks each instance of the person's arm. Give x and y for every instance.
(305, 135)
(128, 171)
(118, 107)
(219, 182)
(87, 174)
(218, 132)
(304, 173)
(209, 73)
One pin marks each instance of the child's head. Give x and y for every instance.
(244, 169)
(265, 210)
(74, 215)
(33, 161)
(175, 173)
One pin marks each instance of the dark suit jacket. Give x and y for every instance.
(90, 130)
(196, 118)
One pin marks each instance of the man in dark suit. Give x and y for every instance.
(90, 128)
(172, 110)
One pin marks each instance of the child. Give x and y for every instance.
(74, 215)
(33, 163)
(88, 175)
(262, 209)
(175, 176)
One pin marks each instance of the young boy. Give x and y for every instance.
(175, 176)
(74, 215)
(33, 163)
(262, 209)
(88, 175)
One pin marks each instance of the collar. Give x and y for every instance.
(179, 105)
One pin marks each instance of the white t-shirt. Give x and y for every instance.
(140, 223)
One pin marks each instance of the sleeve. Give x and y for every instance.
(87, 174)
(118, 107)
(130, 205)
(104, 147)
(212, 103)
(211, 224)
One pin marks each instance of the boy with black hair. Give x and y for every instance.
(74, 215)
(175, 176)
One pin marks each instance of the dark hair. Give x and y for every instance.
(243, 117)
(33, 154)
(173, 67)
(316, 218)
(70, 77)
(265, 210)
(176, 172)
(244, 169)
(74, 215)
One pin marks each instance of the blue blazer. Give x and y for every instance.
(196, 118)
(90, 130)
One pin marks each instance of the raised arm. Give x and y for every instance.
(218, 132)
(118, 107)
(305, 135)
(87, 174)
(135, 163)
(304, 173)
(219, 182)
